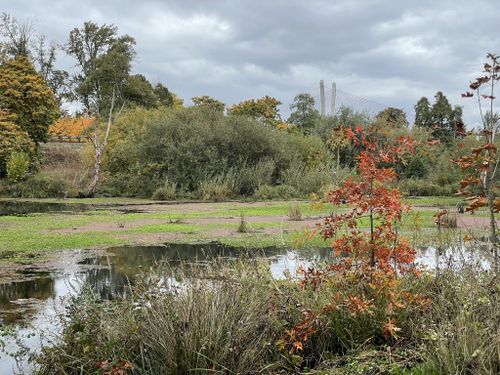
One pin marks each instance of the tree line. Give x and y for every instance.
(107, 92)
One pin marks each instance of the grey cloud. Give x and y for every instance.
(391, 52)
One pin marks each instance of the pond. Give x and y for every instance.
(18, 207)
(37, 298)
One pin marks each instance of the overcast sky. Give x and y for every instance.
(390, 52)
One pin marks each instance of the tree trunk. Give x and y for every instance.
(100, 148)
(96, 174)
(493, 230)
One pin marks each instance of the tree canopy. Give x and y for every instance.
(304, 115)
(104, 60)
(441, 118)
(208, 102)
(392, 117)
(12, 139)
(26, 96)
(264, 110)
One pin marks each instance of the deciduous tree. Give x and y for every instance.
(26, 96)
(392, 117)
(20, 38)
(104, 61)
(264, 109)
(303, 115)
(12, 139)
(480, 167)
(365, 273)
(208, 102)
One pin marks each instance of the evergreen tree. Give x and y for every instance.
(423, 113)
(443, 120)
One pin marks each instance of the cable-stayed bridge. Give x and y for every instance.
(328, 101)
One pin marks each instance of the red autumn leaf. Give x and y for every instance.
(391, 330)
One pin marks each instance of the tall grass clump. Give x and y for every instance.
(201, 327)
(295, 213)
(461, 331)
(166, 192)
(219, 187)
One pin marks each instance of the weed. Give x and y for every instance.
(295, 213)
(243, 227)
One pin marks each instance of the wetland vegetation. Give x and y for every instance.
(142, 236)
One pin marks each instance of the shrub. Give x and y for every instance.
(426, 188)
(250, 177)
(307, 180)
(166, 192)
(12, 139)
(18, 166)
(193, 145)
(40, 186)
(217, 188)
(276, 192)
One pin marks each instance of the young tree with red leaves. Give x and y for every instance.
(365, 273)
(481, 166)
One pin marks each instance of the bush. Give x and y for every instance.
(39, 186)
(18, 166)
(166, 192)
(12, 139)
(307, 180)
(276, 192)
(192, 146)
(250, 177)
(413, 187)
(218, 188)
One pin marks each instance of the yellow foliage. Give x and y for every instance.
(71, 126)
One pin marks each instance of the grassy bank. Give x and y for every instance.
(112, 221)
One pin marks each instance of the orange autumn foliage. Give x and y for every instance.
(368, 264)
(71, 126)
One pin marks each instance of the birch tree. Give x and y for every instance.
(104, 61)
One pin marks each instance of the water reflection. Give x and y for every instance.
(17, 298)
(27, 207)
(111, 274)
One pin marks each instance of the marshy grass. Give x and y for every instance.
(295, 213)
(217, 321)
(243, 226)
(229, 317)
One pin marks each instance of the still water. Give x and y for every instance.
(30, 307)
